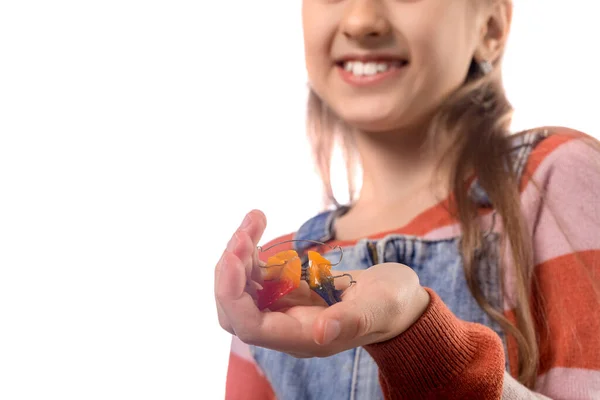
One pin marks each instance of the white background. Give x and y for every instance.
(135, 135)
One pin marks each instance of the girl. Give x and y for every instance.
(475, 252)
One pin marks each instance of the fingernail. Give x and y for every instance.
(232, 242)
(332, 331)
(246, 222)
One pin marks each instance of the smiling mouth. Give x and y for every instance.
(370, 68)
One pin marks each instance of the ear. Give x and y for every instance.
(494, 31)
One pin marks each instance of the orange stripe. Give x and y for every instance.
(244, 382)
(571, 309)
(428, 220)
(568, 320)
(432, 218)
(435, 217)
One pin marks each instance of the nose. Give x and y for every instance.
(365, 20)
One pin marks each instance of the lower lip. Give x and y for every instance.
(370, 80)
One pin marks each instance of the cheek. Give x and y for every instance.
(319, 30)
(317, 59)
(439, 40)
(440, 63)
(451, 51)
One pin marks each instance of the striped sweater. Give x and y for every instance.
(441, 356)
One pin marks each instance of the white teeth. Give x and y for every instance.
(359, 68)
(370, 69)
(382, 67)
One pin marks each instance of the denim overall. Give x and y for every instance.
(353, 374)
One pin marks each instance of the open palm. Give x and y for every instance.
(384, 301)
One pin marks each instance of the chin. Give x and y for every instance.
(373, 119)
(371, 125)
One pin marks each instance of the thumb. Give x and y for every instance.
(347, 321)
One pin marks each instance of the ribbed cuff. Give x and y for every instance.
(428, 355)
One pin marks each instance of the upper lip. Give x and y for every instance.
(372, 57)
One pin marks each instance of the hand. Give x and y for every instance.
(385, 301)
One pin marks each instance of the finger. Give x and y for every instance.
(248, 234)
(232, 279)
(230, 247)
(254, 225)
(250, 231)
(240, 313)
(274, 330)
(333, 325)
(220, 288)
(289, 332)
(243, 249)
(217, 276)
(231, 284)
(352, 323)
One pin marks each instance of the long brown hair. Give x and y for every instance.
(477, 116)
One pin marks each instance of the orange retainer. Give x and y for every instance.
(283, 272)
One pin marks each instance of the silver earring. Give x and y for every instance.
(486, 67)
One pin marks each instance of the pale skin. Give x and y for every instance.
(438, 39)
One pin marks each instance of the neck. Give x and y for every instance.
(398, 166)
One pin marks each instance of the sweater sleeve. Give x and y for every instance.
(441, 356)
